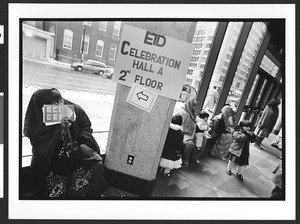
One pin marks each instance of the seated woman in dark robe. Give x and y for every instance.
(47, 140)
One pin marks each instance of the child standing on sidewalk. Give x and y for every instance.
(171, 158)
(239, 150)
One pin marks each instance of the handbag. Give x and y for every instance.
(69, 156)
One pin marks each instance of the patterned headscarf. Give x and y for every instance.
(188, 107)
(227, 111)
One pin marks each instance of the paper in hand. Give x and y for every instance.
(53, 114)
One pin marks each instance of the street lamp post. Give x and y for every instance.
(82, 44)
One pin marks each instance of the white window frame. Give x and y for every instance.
(68, 33)
(104, 23)
(87, 23)
(86, 39)
(113, 47)
(117, 28)
(99, 43)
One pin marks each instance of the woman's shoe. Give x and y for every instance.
(240, 176)
(229, 172)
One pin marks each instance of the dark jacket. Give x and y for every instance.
(241, 141)
(174, 143)
(216, 126)
(267, 121)
(46, 139)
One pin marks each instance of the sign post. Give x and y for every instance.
(150, 71)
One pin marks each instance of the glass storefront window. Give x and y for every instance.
(202, 40)
(251, 94)
(246, 62)
(269, 66)
(222, 64)
(260, 93)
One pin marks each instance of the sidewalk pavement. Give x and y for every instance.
(208, 180)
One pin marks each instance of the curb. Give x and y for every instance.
(46, 62)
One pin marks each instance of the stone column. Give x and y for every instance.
(136, 136)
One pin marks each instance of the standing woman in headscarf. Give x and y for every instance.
(188, 113)
(267, 121)
(46, 141)
(219, 125)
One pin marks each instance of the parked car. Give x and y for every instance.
(94, 67)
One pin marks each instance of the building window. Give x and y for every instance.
(200, 32)
(237, 85)
(99, 48)
(198, 39)
(190, 72)
(194, 59)
(193, 64)
(196, 52)
(117, 28)
(112, 52)
(221, 78)
(68, 39)
(102, 25)
(197, 46)
(86, 44)
(87, 23)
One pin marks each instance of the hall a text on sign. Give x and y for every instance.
(154, 61)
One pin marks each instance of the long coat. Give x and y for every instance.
(45, 139)
(188, 125)
(240, 142)
(174, 143)
(267, 121)
(216, 126)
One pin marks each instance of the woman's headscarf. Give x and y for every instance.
(177, 119)
(188, 107)
(227, 111)
(33, 124)
(273, 103)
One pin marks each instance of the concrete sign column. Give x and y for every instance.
(136, 136)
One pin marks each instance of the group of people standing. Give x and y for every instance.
(189, 137)
(221, 137)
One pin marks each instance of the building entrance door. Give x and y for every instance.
(264, 88)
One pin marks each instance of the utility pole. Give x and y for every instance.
(82, 44)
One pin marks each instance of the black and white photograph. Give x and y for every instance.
(151, 108)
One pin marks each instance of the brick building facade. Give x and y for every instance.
(100, 42)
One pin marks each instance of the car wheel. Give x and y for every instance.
(101, 72)
(79, 68)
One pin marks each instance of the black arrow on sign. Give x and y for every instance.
(142, 96)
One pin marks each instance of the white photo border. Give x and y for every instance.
(152, 209)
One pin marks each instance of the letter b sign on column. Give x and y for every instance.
(154, 39)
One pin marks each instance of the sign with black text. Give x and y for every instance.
(154, 61)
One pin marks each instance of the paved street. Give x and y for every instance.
(43, 75)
